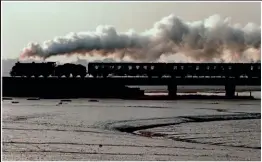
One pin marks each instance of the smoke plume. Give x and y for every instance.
(170, 39)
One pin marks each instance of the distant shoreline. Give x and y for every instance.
(202, 90)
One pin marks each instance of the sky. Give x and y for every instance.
(24, 22)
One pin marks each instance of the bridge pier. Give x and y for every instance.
(230, 90)
(172, 90)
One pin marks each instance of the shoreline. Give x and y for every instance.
(147, 97)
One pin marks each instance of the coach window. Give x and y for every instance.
(251, 68)
(119, 67)
(130, 67)
(197, 67)
(258, 67)
(152, 67)
(229, 67)
(145, 67)
(137, 67)
(175, 68)
(207, 67)
(182, 67)
(96, 67)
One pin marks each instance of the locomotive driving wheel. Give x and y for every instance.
(74, 76)
(67, 75)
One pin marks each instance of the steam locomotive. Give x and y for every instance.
(47, 69)
(51, 69)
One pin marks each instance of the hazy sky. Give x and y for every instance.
(24, 22)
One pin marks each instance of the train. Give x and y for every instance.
(104, 70)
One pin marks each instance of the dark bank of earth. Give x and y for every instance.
(65, 88)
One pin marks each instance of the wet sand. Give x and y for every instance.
(80, 129)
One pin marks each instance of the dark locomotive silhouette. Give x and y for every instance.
(51, 69)
(47, 69)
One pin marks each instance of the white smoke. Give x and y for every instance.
(171, 39)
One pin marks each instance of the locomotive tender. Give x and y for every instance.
(251, 70)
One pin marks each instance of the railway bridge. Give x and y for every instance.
(102, 77)
(114, 82)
